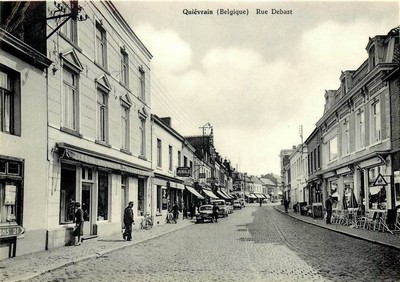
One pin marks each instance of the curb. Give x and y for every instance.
(344, 232)
(99, 254)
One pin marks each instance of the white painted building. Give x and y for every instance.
(99, 128)
(298, 174)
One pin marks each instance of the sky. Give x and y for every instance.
(255, 77)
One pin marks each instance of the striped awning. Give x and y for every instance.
(210, 194)
(222, 195)
(194, 192)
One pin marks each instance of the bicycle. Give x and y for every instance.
(147, 222)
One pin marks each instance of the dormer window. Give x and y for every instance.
(371, 58)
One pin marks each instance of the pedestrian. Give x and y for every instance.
(193, 211)
(175, 211)
(128, 221)
(286, 205)
(260, 200)
(215, 210)
(79, 220)
(328, 207)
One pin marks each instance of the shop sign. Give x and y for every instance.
(11, 231)
(183, 171)
(11, 191)
(380, 181)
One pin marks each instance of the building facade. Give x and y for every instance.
(23, 134)
(99, 124)
(356, 136)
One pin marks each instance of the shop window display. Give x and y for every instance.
(377, 194)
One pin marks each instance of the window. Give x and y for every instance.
(9, 103)
(70, 100)
(360, 130)
(170, 158)
(125, 127)
(142, 132)
(69, 29)
(142, 77)
(102, 116)
(191, 167)
(375, 122)
(179, 158)
(124, 68)
(102, 211)
(185, 161)
(159, 153)
(101, 45)
(11, 191)
(345, 137)
(67, 193)
(333, 149)
(159, 198)
(141, 197)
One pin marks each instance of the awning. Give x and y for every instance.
(251, 196)
(374, 189)
(194, 192)
(110, 163)
(210, 194)
(220, 193)
(227, 196)
(259, 196)
(279, 192)
(175, 185)
(267, 196)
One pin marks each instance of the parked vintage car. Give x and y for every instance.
(223, 211)
(205, 213)
(237, 204)
(229, 207)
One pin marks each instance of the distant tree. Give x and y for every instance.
(271, 177)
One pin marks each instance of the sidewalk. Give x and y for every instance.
(28, 266)
(385, 239)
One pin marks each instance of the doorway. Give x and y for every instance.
(87, 207)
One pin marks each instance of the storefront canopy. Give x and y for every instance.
(374, 189)
(267, 196)
(194, 192)
(259, 196)
(228, 196)
(210, 194)
(251, 196)
(222, 195)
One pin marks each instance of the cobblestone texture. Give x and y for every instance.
(254, 244)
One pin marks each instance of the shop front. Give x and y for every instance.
(103, 185)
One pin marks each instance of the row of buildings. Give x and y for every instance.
(77, 126)
(353, 153)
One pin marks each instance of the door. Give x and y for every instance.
(87, 207)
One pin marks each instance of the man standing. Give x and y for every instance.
(215, 210)
(128, 221)
(328, 207)
(286, 205)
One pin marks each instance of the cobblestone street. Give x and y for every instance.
(253, 244)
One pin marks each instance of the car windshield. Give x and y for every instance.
(206, 208)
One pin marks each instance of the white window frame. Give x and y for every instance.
(159, 153)
(142, 132)
(335, 156)
(102, 116)
(375, 122)
(124, 68)
(142, 80)
(101, 45)
(70, 109)
(170, 152)
(345, 132)
(70, 29)
(125, 124)
(360, 129)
